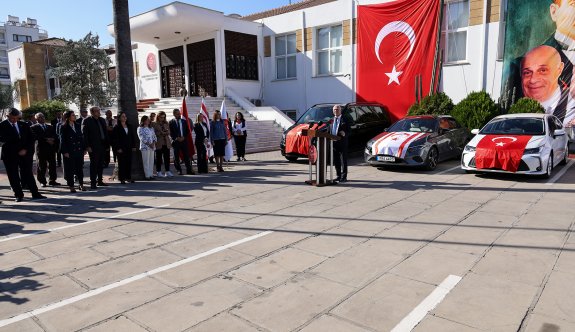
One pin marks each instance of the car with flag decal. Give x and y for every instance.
(367, 119)
(530, 144)
(421, 141)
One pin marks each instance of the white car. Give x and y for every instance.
(517, 143)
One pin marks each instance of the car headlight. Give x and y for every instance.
(532, 151)
(469, 148)
(369, 144)
(415, 149)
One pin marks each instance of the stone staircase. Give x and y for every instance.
(263, 135)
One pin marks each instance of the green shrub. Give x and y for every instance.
(47, 107)
(526, 105)
(475, 110)
(434, 104)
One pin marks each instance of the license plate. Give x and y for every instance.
(386, 158)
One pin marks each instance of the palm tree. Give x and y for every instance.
(125, 76)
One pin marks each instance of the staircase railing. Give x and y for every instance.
(262, 112)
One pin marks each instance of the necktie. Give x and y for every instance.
(335, 126)
(16, 128)
(180, 126)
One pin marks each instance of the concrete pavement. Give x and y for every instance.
(255, 249)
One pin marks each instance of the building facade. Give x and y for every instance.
(298, 55)
(12, 34)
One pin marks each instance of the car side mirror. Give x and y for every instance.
(475, 131)
(558, 132)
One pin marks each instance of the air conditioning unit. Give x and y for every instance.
(31, 22)
(13, 19)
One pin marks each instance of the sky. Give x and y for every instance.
(73, 19)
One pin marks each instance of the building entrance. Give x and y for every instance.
(202, 67)
(173, 73)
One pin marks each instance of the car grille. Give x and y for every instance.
(522, 166)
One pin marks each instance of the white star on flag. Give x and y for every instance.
(394, 76)
(500, 144)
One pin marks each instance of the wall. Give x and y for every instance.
(148, 82)
(17, 72)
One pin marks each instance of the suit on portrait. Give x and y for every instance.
(18, 168)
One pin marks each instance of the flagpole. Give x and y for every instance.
(437, 46)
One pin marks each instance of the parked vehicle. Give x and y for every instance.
(367, 119)
(421, 141)
(518, 143)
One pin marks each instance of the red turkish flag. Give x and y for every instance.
(396, 43)
(501, 152)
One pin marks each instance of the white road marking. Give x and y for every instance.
(44, 231)
(123, 282)
(561, 173)
(429, 303)
(448, 170)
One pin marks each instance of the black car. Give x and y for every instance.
(367, 120)
(418, 141)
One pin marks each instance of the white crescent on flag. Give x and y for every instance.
(395, 26)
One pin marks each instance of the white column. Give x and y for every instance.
(186, 69)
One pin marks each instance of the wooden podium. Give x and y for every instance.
(321, 149)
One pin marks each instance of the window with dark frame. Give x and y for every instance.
(241, 56)
(22, 38)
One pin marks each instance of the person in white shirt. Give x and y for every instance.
(148, 141)
(240, 136)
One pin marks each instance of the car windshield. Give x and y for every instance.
(425, 125)
(317, 113)
(515, 126)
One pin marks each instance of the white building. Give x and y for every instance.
(298, 55)
(12, 34)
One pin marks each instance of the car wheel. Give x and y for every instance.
(291, 159)
(565, 157)
(549, 169)
(432, 159)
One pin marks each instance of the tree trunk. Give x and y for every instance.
(125, 78)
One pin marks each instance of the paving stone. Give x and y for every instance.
(286, 307)
(206, 267)
(518, 266)
(433, 264)
(124, 267)
(271, 242)
(134, 244)
(118, 324)
(566, 261)
(98, 308)
(191, 306)
(224, 322)
(384, 303)
(65, 245)
(17, 258)
(477, 297)
(277, 268)
(362, 263)
(542, 323)
(558, 297)
(432, 323)
(332, 324)
(528, 239)
(336, 241)
(194, 245)
(22, 295)
(27, 325)
(68, 262)
(473, 240)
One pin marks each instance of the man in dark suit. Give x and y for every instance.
(17, 154)
(46, 149)
(56, 123)
(179, 132)
(96, 140)
(341, 128)
(110, 123)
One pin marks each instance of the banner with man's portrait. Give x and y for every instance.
(539, 55)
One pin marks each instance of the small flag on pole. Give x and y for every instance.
(229, 152)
